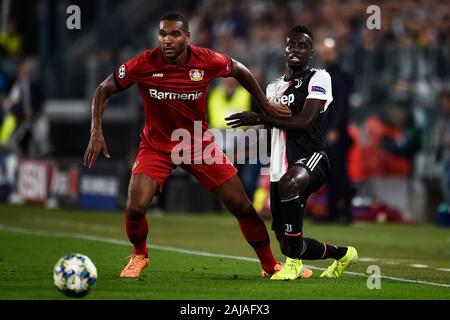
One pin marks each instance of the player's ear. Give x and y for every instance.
(188, 35)
(311, 53)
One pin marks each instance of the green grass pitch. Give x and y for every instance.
(205, 257)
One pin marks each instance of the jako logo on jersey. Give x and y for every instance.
(158, 75)
(196, 74)
(287, 100)
(318, 89)
(122, 71)
(174, 95)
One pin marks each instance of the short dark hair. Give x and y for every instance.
(302, 29)
(175, 16)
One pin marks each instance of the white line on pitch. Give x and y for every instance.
(419, 266)
(185, 251)
(368, 259)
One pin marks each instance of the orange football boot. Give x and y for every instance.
(276, 268)
(134, 267)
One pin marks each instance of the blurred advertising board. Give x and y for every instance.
(7, 175)
(99, 187)
(32, 180)
(64, 183)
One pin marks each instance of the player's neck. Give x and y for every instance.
(292, 73)
(181, 59)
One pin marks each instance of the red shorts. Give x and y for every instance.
(158, 165)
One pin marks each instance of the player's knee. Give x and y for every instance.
(294, 183)
(135, 210)
(243, 209)
(290, 187)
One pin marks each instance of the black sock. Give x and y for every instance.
(292, 211)
(315, 250)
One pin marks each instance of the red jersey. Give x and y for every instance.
(174, 96)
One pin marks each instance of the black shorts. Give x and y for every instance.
(318, 167)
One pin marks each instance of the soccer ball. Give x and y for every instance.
(74, 275)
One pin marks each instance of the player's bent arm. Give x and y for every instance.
(301, 121)
(248, 81)
(100, 101)
(97, 142)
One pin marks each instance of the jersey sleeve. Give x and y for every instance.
(269, 92)
(128, 73)
(221, 64)
(319, 87)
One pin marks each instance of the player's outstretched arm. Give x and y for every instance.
(300, 121)
(248, 81)
(97, 142)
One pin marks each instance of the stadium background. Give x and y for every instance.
(404, 66)
(405, 63)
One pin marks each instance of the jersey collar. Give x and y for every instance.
(298, 74)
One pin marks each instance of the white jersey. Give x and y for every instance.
(288, 146)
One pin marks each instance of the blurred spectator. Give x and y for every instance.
(266, 47)
(386, 145)
(225, 99)
(338, 140)
(10, 52)
(22, 107)
(411, 46)
(3, 92)
(443, 143)
(409, 142)
(11, 40)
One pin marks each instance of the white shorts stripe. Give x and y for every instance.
(311, 160)
(316, 162)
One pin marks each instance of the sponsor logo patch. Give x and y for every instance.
(287, 100)
(196, 74)
(122, 71)
(318, 89)
(164, 95)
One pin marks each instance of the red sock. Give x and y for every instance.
(255, 232)
(137, 231)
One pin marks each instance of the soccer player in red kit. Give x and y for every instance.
(173, 80)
